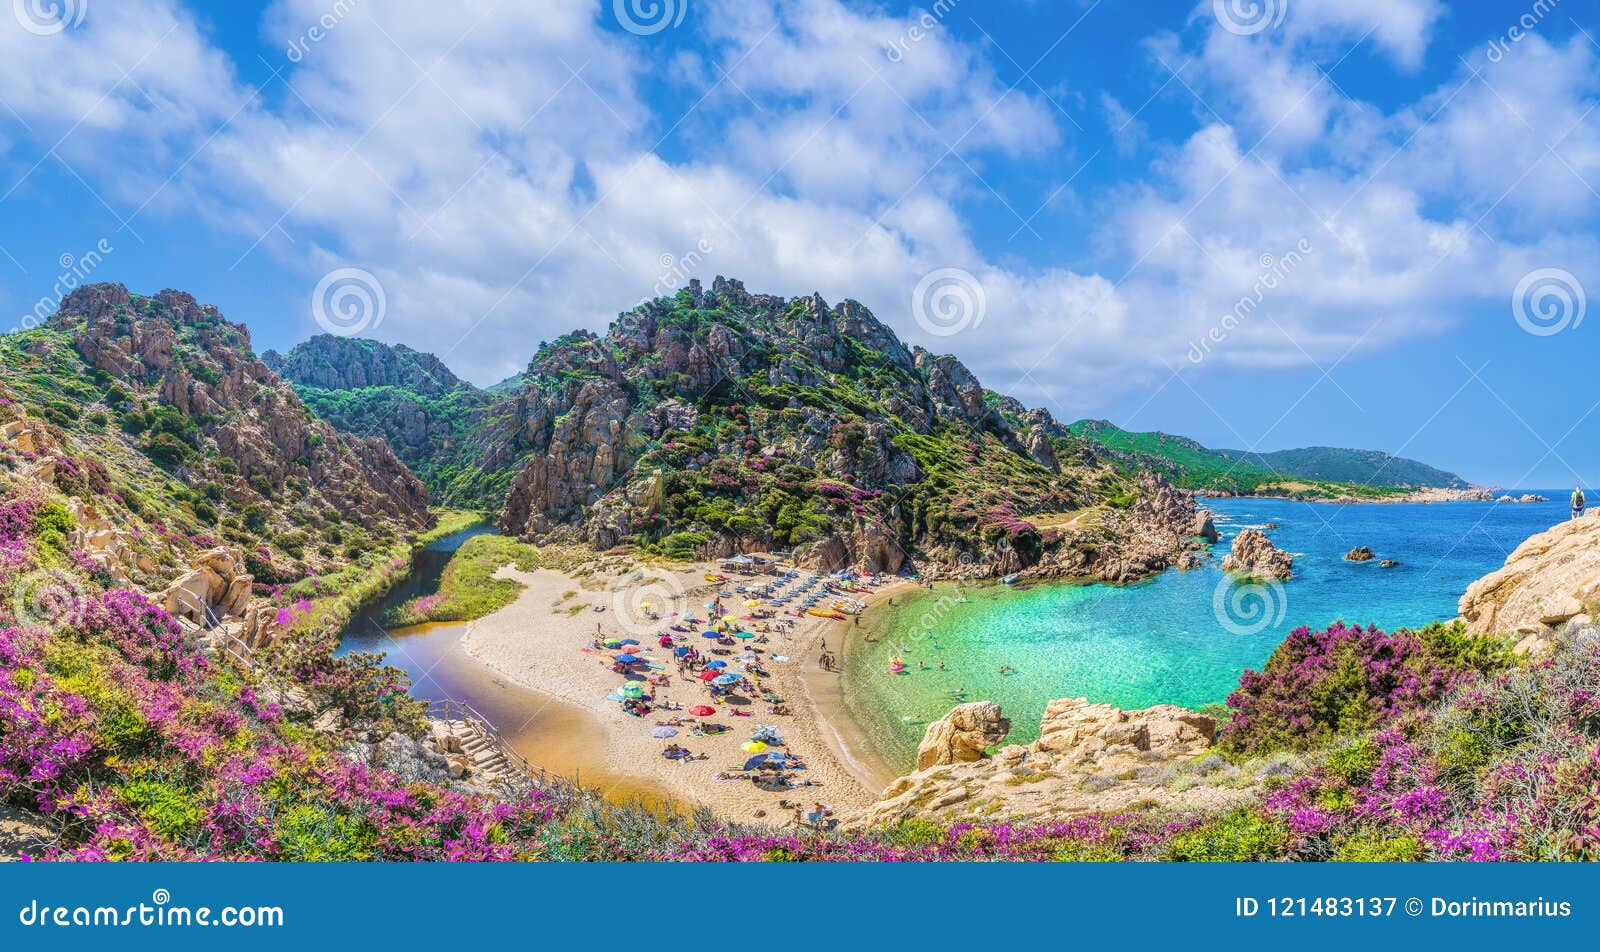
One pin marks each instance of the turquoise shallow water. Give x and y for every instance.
(1180, 638)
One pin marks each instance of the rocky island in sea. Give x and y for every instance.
(186, 531)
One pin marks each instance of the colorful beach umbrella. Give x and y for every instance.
(632, 689)
(702, 711)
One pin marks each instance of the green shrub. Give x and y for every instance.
(1369, 846)
(1239, 837)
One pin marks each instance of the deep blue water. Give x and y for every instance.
(1182, 637)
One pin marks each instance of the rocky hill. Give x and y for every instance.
(718, 420)
(154, 411)
(432, 419)
(1319, 472)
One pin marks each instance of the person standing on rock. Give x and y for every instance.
(1578, 502)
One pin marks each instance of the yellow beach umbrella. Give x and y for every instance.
(753, 746)
(751, 603)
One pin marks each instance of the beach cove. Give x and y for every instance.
(1183, 638)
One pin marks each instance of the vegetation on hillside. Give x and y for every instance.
(1319, 473)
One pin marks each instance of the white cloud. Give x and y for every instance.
(498, 169)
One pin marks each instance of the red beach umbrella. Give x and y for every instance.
(708, 675)
(702, 711)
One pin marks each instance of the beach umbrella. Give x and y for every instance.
(702, 711)
(627, 659)
(743, 634)
(751, 603)
(718, 665)
(725, 679)
(708, 675)
(728, 619)
(628, 641)
(709, 634)
(681, 652)
(662, 733)
(631, 690)
(753, 746)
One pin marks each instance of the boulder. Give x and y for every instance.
(1546, 582)
(1254, 556)
(1360, 554)
(963, 735)
(1204, 527)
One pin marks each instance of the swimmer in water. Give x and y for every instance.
(941, 666)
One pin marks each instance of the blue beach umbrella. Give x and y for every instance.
(726, 679)
(631, 690)
(627, 659)
(709, 634)
(628, 641)
(718, 665)
(681, 652)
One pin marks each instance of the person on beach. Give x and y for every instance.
(1578, 502)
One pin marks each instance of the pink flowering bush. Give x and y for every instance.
(1318, 685)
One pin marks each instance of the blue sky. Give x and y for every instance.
(1263, 225)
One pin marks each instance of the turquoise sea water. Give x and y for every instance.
(1180, 638)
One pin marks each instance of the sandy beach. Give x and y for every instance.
(543, 642)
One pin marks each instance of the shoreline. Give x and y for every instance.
(542, 644)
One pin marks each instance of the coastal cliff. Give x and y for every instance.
(1550, 585)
